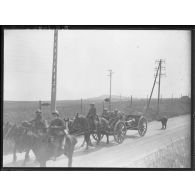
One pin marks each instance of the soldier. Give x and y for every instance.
(114, 117)
(57, 127)
(114, 114)
(38, 123)
(57, 123)
(105, 114)
(92, 115)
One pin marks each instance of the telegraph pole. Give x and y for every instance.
(40, 104)
(159, 86)
(152, 87)
(131, 100)
(157, 74)
(110, 75)
(159, 79)
(54, 72)
(81, 105)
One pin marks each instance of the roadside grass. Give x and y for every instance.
(175, 155)
(16, 112)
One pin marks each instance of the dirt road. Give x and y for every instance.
(133, 148)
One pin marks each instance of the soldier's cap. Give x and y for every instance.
(38, 111)
(115, 110)
(92, 104)
(55, 113)
(105, 109)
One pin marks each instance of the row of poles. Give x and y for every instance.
(54, 79)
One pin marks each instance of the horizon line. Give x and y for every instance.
(91, 99)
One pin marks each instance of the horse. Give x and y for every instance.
(45, 147)
(103, 125)
(82, 123)
(69, 127)
(163, 121)
(20, 139)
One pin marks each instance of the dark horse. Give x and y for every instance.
(79, 126)
(45, 147)
(163, 121)
(82, 124)
(103, 127)
(20, 139)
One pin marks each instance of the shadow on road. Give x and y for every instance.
(94, 148)
(19, 163)
(132, 136)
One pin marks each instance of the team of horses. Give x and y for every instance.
(45, 147)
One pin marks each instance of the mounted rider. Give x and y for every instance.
(114, 117)
(57, 125)
(56, 129)
(38, 124)
(92, 116)
(106, 114)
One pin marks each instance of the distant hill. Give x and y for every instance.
(114, 98)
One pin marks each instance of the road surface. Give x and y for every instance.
(133, 148)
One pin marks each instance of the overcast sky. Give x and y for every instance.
(84, 56)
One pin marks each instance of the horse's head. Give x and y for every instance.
(9, 134)
(68, 123)
(26, 124)
(79, 122)
(6, 128)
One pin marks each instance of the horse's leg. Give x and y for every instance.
(87, 138)
(83, 142)
(99, 136)
(162, 125)
(107, 138)
(14, 154)
(27, 157)
(70, 160)
(43, 163)
(165, 126)
(89, 141)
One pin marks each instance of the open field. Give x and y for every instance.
(16, 112)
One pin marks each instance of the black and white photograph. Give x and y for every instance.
(96, 98)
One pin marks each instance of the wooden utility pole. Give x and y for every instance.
(131, 100)
(110, 99)
(40, 104)
(158, 73)
(152, 88)
(159, 85)
(54, 72)
(81, 106)
(147, 100)
(159, 82)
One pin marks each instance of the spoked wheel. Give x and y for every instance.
(142, 127)
(119, 132)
